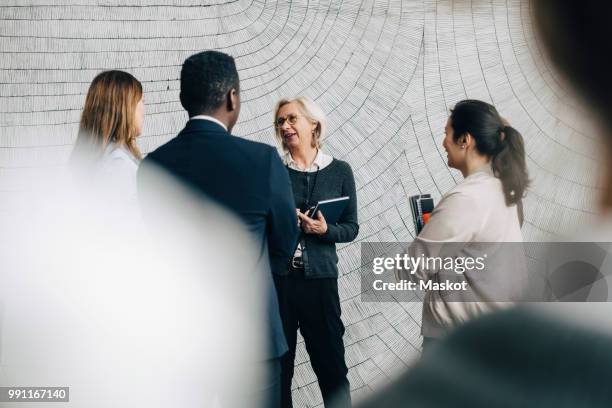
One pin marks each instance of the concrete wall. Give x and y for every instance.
(386, 73)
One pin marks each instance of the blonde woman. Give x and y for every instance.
(309, 292)
(112, 119)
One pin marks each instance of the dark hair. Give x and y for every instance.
(577, 35)
(496, 139)
(206, 78)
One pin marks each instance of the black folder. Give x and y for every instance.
(331, 209)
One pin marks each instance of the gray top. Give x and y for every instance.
(333, 181)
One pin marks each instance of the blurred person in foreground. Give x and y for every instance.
(577, 35)
(122, 315)
(508, 359)
(106, 154)
(308, 291)
(559, 355)
(245, 177)
(482, 209)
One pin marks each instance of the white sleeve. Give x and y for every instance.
(454, 219)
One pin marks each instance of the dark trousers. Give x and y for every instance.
(313, 306)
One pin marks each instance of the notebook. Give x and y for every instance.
(331, 209)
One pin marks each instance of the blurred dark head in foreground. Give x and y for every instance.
(510, 359)
(577, 37)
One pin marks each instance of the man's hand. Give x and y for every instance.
(312, 226)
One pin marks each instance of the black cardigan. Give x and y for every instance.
(333, 181)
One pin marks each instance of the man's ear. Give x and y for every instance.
(232, 99)
(182, 99)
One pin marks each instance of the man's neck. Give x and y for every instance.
(304, 156)
(216, 117)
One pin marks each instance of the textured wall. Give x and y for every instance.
(385, 72)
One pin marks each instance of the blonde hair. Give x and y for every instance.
(311, 111)
(108, 114)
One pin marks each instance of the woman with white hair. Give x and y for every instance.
(309, 292)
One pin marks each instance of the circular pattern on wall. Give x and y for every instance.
(385, 72)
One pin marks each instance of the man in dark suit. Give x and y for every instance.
(246, 177)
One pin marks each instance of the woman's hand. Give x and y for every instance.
(312, 226)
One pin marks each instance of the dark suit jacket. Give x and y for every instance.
(249, 179)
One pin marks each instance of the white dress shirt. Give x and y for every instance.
(321, 161)
(116, 171)
(209, 118)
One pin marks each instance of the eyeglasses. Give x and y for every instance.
(291, 119)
